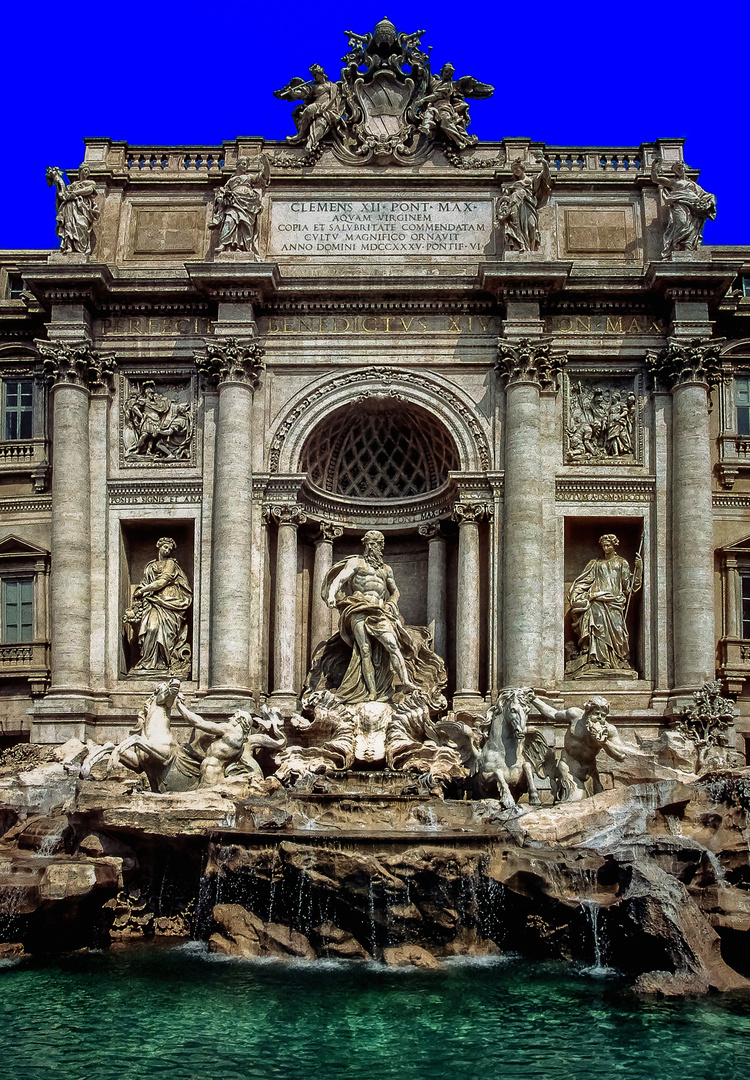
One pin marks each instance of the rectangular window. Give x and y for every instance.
(18, 610)
(15, 286)
(742, 404)
(745, 605)
(17, 408)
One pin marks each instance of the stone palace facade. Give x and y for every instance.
(244, 357)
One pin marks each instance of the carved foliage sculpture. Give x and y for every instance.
(688, 204)
(77, 365)
(387, 104)
(76, 210)
(684, 362)
(603, 422)
(529, 361)
(157, 421)
(229, 361)
(238, 204)
(708, 722)
(157, 618)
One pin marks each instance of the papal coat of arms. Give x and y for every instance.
(387, 105)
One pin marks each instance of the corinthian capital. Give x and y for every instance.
(529, 361)
(75, 364)
(691, 361)
(463, 512)
(226, 360)
(329, 532)
(431, 530)
(284, 514)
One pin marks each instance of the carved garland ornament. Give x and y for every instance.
(386, 375)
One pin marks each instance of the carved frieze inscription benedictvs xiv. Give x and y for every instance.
(157, 418)
(387, 106)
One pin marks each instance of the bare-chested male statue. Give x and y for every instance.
(364, 591)
(588, 732)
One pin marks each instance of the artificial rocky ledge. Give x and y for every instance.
(649, 877)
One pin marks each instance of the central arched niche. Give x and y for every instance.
(379, 449)
(381, 462)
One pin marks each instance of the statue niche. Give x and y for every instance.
(599, 602)
(155, 622)
(374, 656)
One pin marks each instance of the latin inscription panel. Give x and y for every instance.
(381, 227)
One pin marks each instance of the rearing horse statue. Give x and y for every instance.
(153, 749)
(505, 766)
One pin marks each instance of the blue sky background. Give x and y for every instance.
(575, 72)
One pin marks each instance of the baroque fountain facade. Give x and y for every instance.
(375, 545)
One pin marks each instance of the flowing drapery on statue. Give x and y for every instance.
(160, 609)
(598, 601)
(374, 656)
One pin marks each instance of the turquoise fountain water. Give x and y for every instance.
(150, 1012)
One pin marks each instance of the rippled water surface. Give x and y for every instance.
(150, 1012)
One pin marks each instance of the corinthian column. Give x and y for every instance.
(236, 370)
(436, 564)
(468, 613)
(321, 613)
(73, 370)
(527, 367)
(691, 369)
(285, 628)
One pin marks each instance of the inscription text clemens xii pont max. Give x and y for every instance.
(381, 227)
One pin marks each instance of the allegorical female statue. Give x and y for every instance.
(689, 208)
(238, 205)
(517, 209)
(598, 601)
(159, 611)
(76, 209)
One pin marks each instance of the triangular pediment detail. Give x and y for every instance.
(14, 545)
(742, 546)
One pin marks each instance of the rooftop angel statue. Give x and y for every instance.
(320, 108)
(444, 109)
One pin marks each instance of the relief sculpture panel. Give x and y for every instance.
(157, 419)
(603, 419)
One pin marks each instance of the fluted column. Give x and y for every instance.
(690, 369)
(285, 626)
(236, 370)
(468, 602)
(72, 369)
(528, 367)
(321, 613)
(436, 584)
